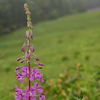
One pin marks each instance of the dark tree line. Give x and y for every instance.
(92, 3)
(12, 14)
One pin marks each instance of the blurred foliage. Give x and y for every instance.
(72, 87)
(60, 44)
(12, 14)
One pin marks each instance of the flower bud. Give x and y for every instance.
(40, 67)
(31, 47)
(28, 61)
(17, 68)
(40, 64)
(31, 25)
(37, 59)
(22, 49)
(26, 8)
(27, 34)
(18, 59)
(23, 61)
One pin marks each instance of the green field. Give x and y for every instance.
(60, 44)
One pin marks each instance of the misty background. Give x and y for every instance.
(12, 14)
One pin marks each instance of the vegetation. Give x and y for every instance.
(12, 15)
(62, 44)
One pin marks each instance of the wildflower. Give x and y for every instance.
(30, 93)
(35, 75)
(26, 71)
(19, 77)
(41, 97)
(19, 94)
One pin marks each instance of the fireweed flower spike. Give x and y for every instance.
(33, 91)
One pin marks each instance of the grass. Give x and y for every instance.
(60, 44)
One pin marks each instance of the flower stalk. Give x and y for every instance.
(33, 90)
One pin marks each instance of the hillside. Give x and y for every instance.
(60, 44)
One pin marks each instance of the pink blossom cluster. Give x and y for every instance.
(31, 92)
(34, 92)
(34, 74)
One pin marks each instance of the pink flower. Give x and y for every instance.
(25, 71)
(19, 77)
(37, 88)
(19, 94)
(42, 97)
(30, 93)
(35, 75)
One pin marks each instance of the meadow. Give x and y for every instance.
(61, 44)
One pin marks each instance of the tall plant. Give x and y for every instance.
(33, 91)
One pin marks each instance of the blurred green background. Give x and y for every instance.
(66, 39)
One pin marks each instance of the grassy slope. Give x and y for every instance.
(60, 44)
